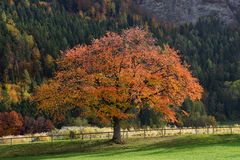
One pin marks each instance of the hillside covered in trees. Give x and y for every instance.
(34, 33)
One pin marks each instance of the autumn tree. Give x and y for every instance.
(116, 76)
(10, 123)
(38, 125)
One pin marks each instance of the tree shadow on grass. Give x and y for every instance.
(176, 145)
(169, 146)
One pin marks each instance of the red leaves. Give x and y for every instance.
(37, 126)
(118, 73)
(10, 123)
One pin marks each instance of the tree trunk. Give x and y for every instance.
(116, 131)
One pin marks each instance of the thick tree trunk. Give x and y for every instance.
(116, 131)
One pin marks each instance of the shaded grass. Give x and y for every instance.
(180, 148)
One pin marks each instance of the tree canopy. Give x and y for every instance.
(117, 74)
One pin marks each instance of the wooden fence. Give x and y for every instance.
(142, 133)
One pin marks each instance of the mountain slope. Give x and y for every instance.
(186, 11)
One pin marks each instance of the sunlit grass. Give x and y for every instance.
(213, 147)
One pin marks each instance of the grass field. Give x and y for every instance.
(213, 147)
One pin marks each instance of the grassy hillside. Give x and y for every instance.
(180, 148)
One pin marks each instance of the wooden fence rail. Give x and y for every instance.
(142, 133)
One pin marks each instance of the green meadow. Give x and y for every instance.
(202, 147)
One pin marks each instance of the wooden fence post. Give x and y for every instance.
(51, 137)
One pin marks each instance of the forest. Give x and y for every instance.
(34, 34)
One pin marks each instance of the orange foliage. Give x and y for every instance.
(116, 74)
(10, 123)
